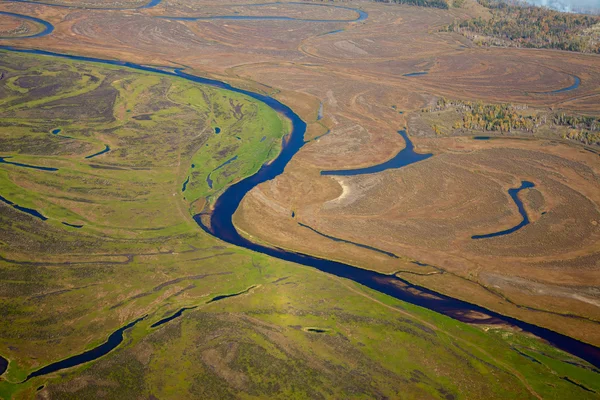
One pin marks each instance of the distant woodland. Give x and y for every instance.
(423, 3)
(477, 116)
(528, 26)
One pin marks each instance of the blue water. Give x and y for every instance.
(252, 18)
(152, 3)
(362, 15)
(420, 264)
(56, 131)
(405, 157)
(364, 246)
(225, 296)
(184, 186)
(48, 27)
(514, 194)
(72, 225)
(171, 317)
(106, 150)
(263, 139)
(221, 226)
(320, 113)
(416, 74)
(111, 343)
(332, 32)
(193, 165)
(481, 138)
(29, 211)
(574, 86)
(209, 180)
(48, 169)
(320, 136)
(3, 365)
(217, 130)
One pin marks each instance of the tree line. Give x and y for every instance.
(445, 4)
(530, 26)
(508, 118)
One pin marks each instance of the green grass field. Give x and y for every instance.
(63, 290)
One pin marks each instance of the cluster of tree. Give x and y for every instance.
(488, 117)
(581, 128)
(583, 136)
(445, 4)
(508, 118)
(20, 30)
(577, 121)
(529, 26)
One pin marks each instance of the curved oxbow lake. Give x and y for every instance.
(48, 28)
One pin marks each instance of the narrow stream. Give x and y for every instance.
(514, 194)
(48, 27)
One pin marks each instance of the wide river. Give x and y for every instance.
(219, 224)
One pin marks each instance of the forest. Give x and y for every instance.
(508, 118)
(422, 3)
(528, 26)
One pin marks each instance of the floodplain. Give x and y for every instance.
(118, 161)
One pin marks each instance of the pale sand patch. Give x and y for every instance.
(354, 188)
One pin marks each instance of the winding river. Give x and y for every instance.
(362, 15)
(575, 85)
(106, 150)
(48, 27)
(405, 157)
(18, 164)
(113, 341)
(150, 4)
(219, 224)
(514, 194)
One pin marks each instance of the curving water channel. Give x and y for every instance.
(405, 157)
(150, 4)
(26, 210)
(3, 365)
(219, 224)
(113, 341)
(209, 180)
(514, 194)
(362, 15)
(106, 150)
(575, 85)
(18, 164)
(172, 317)
(335, 239)
(48, 27)
(416, 74)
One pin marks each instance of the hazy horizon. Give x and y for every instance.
(587, 6)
